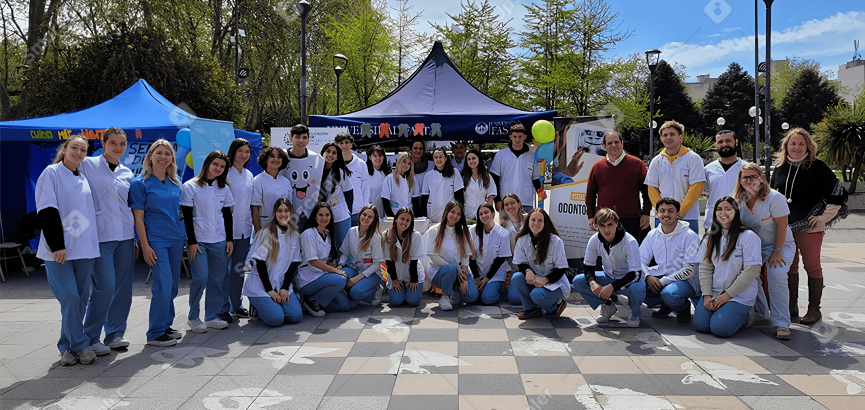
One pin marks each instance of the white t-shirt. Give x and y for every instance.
(289, 252)
(476, 195)
(207, 203)
(671, 252)
(341, 209)
(57, 187)
(441, 191)
(524, 253)
(516, 174)
(241, 189)
(673, 180)
(624, 256)
(419, 177)
(110, 189)
(747, 253)
(312, 247)
(402, 269)
(760, 219)
(719, 183)
(497, 244)
(266, 190)
(399, 195)
(362, 260)
(359, 180)
(449, 250)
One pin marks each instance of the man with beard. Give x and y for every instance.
(721, 174)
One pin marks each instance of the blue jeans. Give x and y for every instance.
(274, 314)
(111, 297)
(354, 219)
(724, 322)
(493, 293)
(636, 292)
(446, 278)
(364, 290)
(779, 293)
(527, 208)
(676, 296)
(166, 277)
(233, 284)
(208, 269)
(340, 231)
(404, 296)
(70, 283)
(532, 296)
(327, 291)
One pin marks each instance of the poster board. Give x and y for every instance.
(207, 136)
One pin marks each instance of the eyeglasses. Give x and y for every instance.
(750, 177)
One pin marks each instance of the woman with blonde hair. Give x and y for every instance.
(817, 200)
(401, 190)
(69, 244)
(764, 211)
(155, 200)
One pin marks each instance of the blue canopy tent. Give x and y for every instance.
(436, 102)
(28, 145)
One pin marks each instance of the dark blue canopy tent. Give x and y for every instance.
(436, 102)
(28, 146)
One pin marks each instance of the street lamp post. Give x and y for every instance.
(768, 133)
(338, 70)
(652, 57)
(756, 83)
(303, 8)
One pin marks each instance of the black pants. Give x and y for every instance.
(632, 226)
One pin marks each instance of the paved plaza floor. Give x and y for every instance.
(476, 357)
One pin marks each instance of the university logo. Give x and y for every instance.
(482, 128)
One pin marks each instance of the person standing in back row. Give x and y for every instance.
(515, 170)
(617, 183)
(677, 172)
(721, 174)
(359, 174)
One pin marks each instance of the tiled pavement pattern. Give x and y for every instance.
(423, 358)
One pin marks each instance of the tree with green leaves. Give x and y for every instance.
(672, 101)
(808, 99)
(731, 97)
(841, 135)
(409, 42)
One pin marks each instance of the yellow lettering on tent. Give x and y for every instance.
(41, 135)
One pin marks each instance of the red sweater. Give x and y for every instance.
(618, 188)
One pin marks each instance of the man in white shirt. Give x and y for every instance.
(304, 172)
(515, 170)
(669, 257)
(459, 160)
(677, 172)
(359, 174)
(722, 174)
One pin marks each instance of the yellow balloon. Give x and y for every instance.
(189, 160)
(543, 131)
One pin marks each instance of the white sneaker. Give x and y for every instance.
(100, 349)
(376, 300)
(216, 324)
(445, 303)
(197, 326)
(607, 311)
(633, 321)
(118, 343)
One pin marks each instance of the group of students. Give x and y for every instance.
(334, 255)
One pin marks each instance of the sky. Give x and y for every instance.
(707, 35)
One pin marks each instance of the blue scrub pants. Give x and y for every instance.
(274, 314)
(532, 296)
(446, 278)
(363, 291)
(636, 292)
(779, 291)
(724, 322)
(111, 297)
(494, 294)
(340, 231)
(676, 296)
(527, 208)
(166, 278)
(404, 296)
(327, 291)
(208, 269)
(70, 283)
(354, 219)
(233, 284)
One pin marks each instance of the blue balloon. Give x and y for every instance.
(545, 151)
(183, 138)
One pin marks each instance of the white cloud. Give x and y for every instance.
(826, 37)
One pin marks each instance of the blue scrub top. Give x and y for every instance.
(161, 205)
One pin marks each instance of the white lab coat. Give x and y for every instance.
(673, 180)
(266, 190)
(399, 196)
(449, 250)
(241, 190)
(747, 253)
(207, 203)
(341, 210)
(671, 252)
(497, 244)
(57, 187)
(110, 189)
(516, 174)
(360, 182)
(524, 253)
(375, 184)
(476, 195)
(367, 262)
(719, 183)
(419, 177)
(312, 248)
(402, 269)
(441, 191)
(289, 252)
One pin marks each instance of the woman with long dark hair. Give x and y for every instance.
(276, 254)
(337, 190)
(541, 262)
(379, 169)
(489, 263)
(363, 246)
(269, 185)
(729, 268)
(69, 244)
(480, 188)
(441, 186)
(403, 248)
(449, 247)
(817, 200)
(239, 181)
(206, 203)
(318, 278)
(400, 189)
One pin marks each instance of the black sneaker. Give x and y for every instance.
(312, 307)
(226, 317)
(664, 311)
(174, 334)
(252, 313)
(163, 341)
(242, 313)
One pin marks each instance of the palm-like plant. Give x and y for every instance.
(701, 145)
(842, 135)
